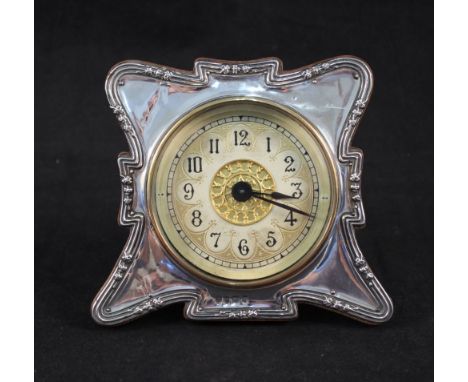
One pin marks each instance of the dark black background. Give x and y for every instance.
(77, 189)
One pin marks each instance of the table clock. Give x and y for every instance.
(241, 191)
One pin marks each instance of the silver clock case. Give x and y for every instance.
(147, 99)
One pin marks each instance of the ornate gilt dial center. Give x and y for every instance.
(234, 209)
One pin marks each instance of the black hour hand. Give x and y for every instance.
(274, 195)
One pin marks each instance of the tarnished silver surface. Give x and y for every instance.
(147, 99)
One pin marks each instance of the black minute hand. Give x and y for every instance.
(293, 209)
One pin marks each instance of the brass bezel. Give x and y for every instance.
(292, 269)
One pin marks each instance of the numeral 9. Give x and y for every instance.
(189, 190)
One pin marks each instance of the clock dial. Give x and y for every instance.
(242, 192)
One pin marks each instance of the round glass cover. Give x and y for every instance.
(242, 191)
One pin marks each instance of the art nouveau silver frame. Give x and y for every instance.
(147, 99)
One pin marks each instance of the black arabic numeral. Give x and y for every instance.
(188, 189)
(214, 146)
(290, 219)
(243, 134)
(213, 234)
(196, 221)
(194, 164)
(271, 239)
(243, 248)
(289, 160)
(298, 193)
